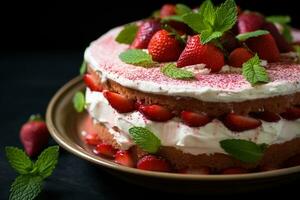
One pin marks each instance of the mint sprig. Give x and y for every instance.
(172, 71)
(136, 57)
(128, 33)
(182, 9)
(79, 101)
(245, 36)
(254, 72)
(83, 68)
(145, 139)
(29, 183)
(243, 150)
(284, 21)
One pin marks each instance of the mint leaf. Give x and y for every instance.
(79, 101)
(254, 72)
(297, 49)
(195, 21)
(83, 68)
(226, 16)
(286, 32)
(47, 161)
(280, 19)
(245, 36)
(172, 18)
(145, 139)
(25, 187)
(18, 160)
(207, 36)
(182, 9)
(127, 35)
(136, 57)
(243, 150)
(172, 71)
(208, 12)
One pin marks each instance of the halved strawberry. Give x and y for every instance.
(265, 46)
(164, 47)
(124, 158)
(266, 116)
(239, 56)
(92, 83)
(249, 21)
(153, 163)
(92, 139)
(199, 170)
(167, 10)
(119, 102)
(105, 150)
(291, 113)
(155, 112)
(146, 30)
(239, 123)
(197, 53)
(234, 170)
(194, 119)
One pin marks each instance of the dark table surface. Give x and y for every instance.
(28, 81)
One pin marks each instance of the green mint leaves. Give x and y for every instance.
(284, 21)
(79, 101)
(245, 36)
(136, 57)
(29, 183)
(254, 72)
(172, 71)
(182, 9)
(243, 150)
(83, 68)
(211, 22)
(145, 139)
(127, 35)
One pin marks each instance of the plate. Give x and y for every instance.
(63, 123)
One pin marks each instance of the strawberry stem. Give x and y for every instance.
(172, 31)
(35, 118)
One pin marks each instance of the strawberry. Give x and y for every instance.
(124, 158)
(92, 138)
(119, 102)
(194, 119)
(229, 41)
(167, 10)
(265, 168)
(105, 150)
(34, 135)
(164, 47)
(155, 112)
(282, 44)
(266, 116)
(239, 56)
(249, 21)
(291, 113)
(234, 170)
(92, 83)
(239, 123)
(145, 33)
(153, 163)
(265, 46)
(200, 170)
(293, 161)
(196, 53)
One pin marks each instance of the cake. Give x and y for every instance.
(210, 90)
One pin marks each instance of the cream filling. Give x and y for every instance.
(173, 133)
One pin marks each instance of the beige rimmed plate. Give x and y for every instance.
(63, 123)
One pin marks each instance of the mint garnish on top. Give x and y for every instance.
(245, 36)
(172, 71)
(136, 57)
(127, 34)
(284, 21)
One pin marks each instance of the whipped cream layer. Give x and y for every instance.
(103, 54)
(173, 133)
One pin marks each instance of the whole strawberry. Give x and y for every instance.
(167, 10)
(249, 21)
(34, 135)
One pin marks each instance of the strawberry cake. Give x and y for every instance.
(210, 90)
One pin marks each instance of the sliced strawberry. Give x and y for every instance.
(249, 21)
(105, 150)
(197, 53)
(92, 83)
(194, 119)
(164, 47)
(199, 170)
(153, 163)
(155, 112)
(124, 158)
(239, 56)
(293, 161)
(265, 46)
(167, 10)
(234, 170)
(291, 113)
(266, 116)
(239, 123)
(229, 41)
(92, 139)
(119, 102)
(146, 30)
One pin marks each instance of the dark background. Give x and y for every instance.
(41, 48)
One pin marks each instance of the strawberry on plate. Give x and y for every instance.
(119, 102)
(249, 21)
(92, 138)
(124, 158)
(105, 150)
(91, 83)
(153, 163)
(155, 112)
(194, 119)
(239, 123)
(200, 170)
(234, 170)
(239, 56)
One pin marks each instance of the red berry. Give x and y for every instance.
(124, 158)
(119, 102)
(293, 161)
(229, 41)
(167, 10)
(239, 56)
(164, 47)
(105, 150)
(200, 170)
(146, 30)
(265, 168)
(235, 170)
(196, 53)
(155, 112)
(291, 113)
(194, 119)
(92, 139)
(239, 123)
(249, 21)
(92, 83)
(153, 163)
(266, 116)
